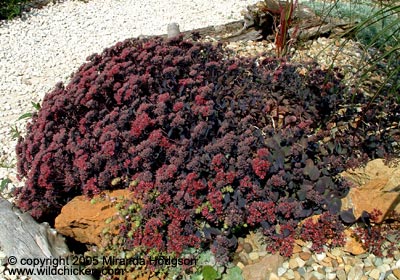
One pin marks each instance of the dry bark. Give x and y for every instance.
(260, 22)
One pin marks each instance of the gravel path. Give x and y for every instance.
(47, 45)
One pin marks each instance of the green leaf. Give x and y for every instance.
(4, 183)
(15, 133)
(36, 105)
(24, 116)
(196, 276)
(209, 273)
(234, 273)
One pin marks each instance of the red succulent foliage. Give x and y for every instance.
(200, 141)
(374, 236)
(327, 230)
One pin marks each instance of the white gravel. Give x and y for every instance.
(47, 45)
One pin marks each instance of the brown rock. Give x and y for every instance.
(297, 275)
(263, 269)
(296, 249)
(239, 248)
(341, 274)
(375, 169)
(352, 245)
(244, 258)
(293, 263)
(305, 256)
(300, 242)
(396, 272)
(372, 196)
(326, 262)
(247, 247)
(84, 221)
(375, 187)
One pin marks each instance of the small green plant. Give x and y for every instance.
(377, 27)
(15, 132)
(11, 8)
(3, 184)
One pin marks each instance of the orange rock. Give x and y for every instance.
(375, 187)
(372, 196)
(396, 272)
(375, 169)
(84, 221)
(297, 248)
(305, 256)
(352, 245)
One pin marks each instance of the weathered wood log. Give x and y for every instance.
(22, 238)
(261, 21)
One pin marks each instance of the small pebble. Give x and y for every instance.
(285, 265)
(392, 277)
(281, 271)
(331, 276)
(302, 271)
(396, 272)
(297, 275)
(384, 268)
(374, 274)
(273, 276)
(247, 247)
(305, 256)
(293, 263)
(300, 262)
(367, 262)
(337, 252)
(244, 258)
(341, 274)
(240, 265)
(388, 261)
(355, 273)
(320, 256)
(290, 274)
(378, 262)
(318, 275)
(253, 256)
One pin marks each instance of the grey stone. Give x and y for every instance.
(173, 30)
(302, 271)
(355, 273)
(341, 274)
(247, 247)
(378, 261)
(281, 271)
(289, 274)
(318, 275)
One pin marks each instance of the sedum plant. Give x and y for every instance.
(211, 147)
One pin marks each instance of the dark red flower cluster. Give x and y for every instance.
(326, 230)
(377, 238)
